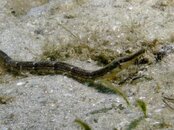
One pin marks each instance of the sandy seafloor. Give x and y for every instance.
(53, 102)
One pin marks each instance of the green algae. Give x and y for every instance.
(82, 124)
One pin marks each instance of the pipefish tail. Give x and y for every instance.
(63, 67)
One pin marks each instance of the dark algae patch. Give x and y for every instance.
(81, 51)
(5, 99)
